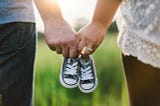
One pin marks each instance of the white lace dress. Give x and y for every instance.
(139, 27)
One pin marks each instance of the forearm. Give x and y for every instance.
(49, 10)
(59, 35)
(105, 11)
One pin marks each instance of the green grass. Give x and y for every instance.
(110, 91)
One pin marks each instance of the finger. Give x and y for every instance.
(65, 51)
(53, 48)
(58, 50)
(89, 50)
(81, 45)
(73, 52)
(77, 39)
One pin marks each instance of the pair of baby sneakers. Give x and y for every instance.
(79, 72)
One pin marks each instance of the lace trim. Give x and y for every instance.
(145, 51)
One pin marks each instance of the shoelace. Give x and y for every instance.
(86, 73)
(71, 67)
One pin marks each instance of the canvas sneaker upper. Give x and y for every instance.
(88, 77)
(69, 75)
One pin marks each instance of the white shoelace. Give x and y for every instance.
(86, 73)
(71, 69)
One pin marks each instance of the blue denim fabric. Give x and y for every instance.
(17, 54)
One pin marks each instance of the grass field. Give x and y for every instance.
(111, 90)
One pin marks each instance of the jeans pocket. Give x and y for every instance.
(11, 37)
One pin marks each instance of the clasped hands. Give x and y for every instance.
(61, 38)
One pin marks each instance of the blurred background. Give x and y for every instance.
(111, 90)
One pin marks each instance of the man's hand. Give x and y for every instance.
(61, 38)
(90, 37)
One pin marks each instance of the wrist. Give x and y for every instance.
(53, 18)
(100, 24)
(54, 21)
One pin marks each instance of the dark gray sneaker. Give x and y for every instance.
(88, 77)
(69, 75)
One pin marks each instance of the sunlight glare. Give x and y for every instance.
(75, 9)
(72, 10)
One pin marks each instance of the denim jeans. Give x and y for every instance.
(17, 54)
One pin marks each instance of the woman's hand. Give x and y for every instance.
(90, 37)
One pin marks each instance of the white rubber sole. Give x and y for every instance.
(66, 85)
(90, 90)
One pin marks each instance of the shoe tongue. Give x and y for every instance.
(85, 62)
(70, 61)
